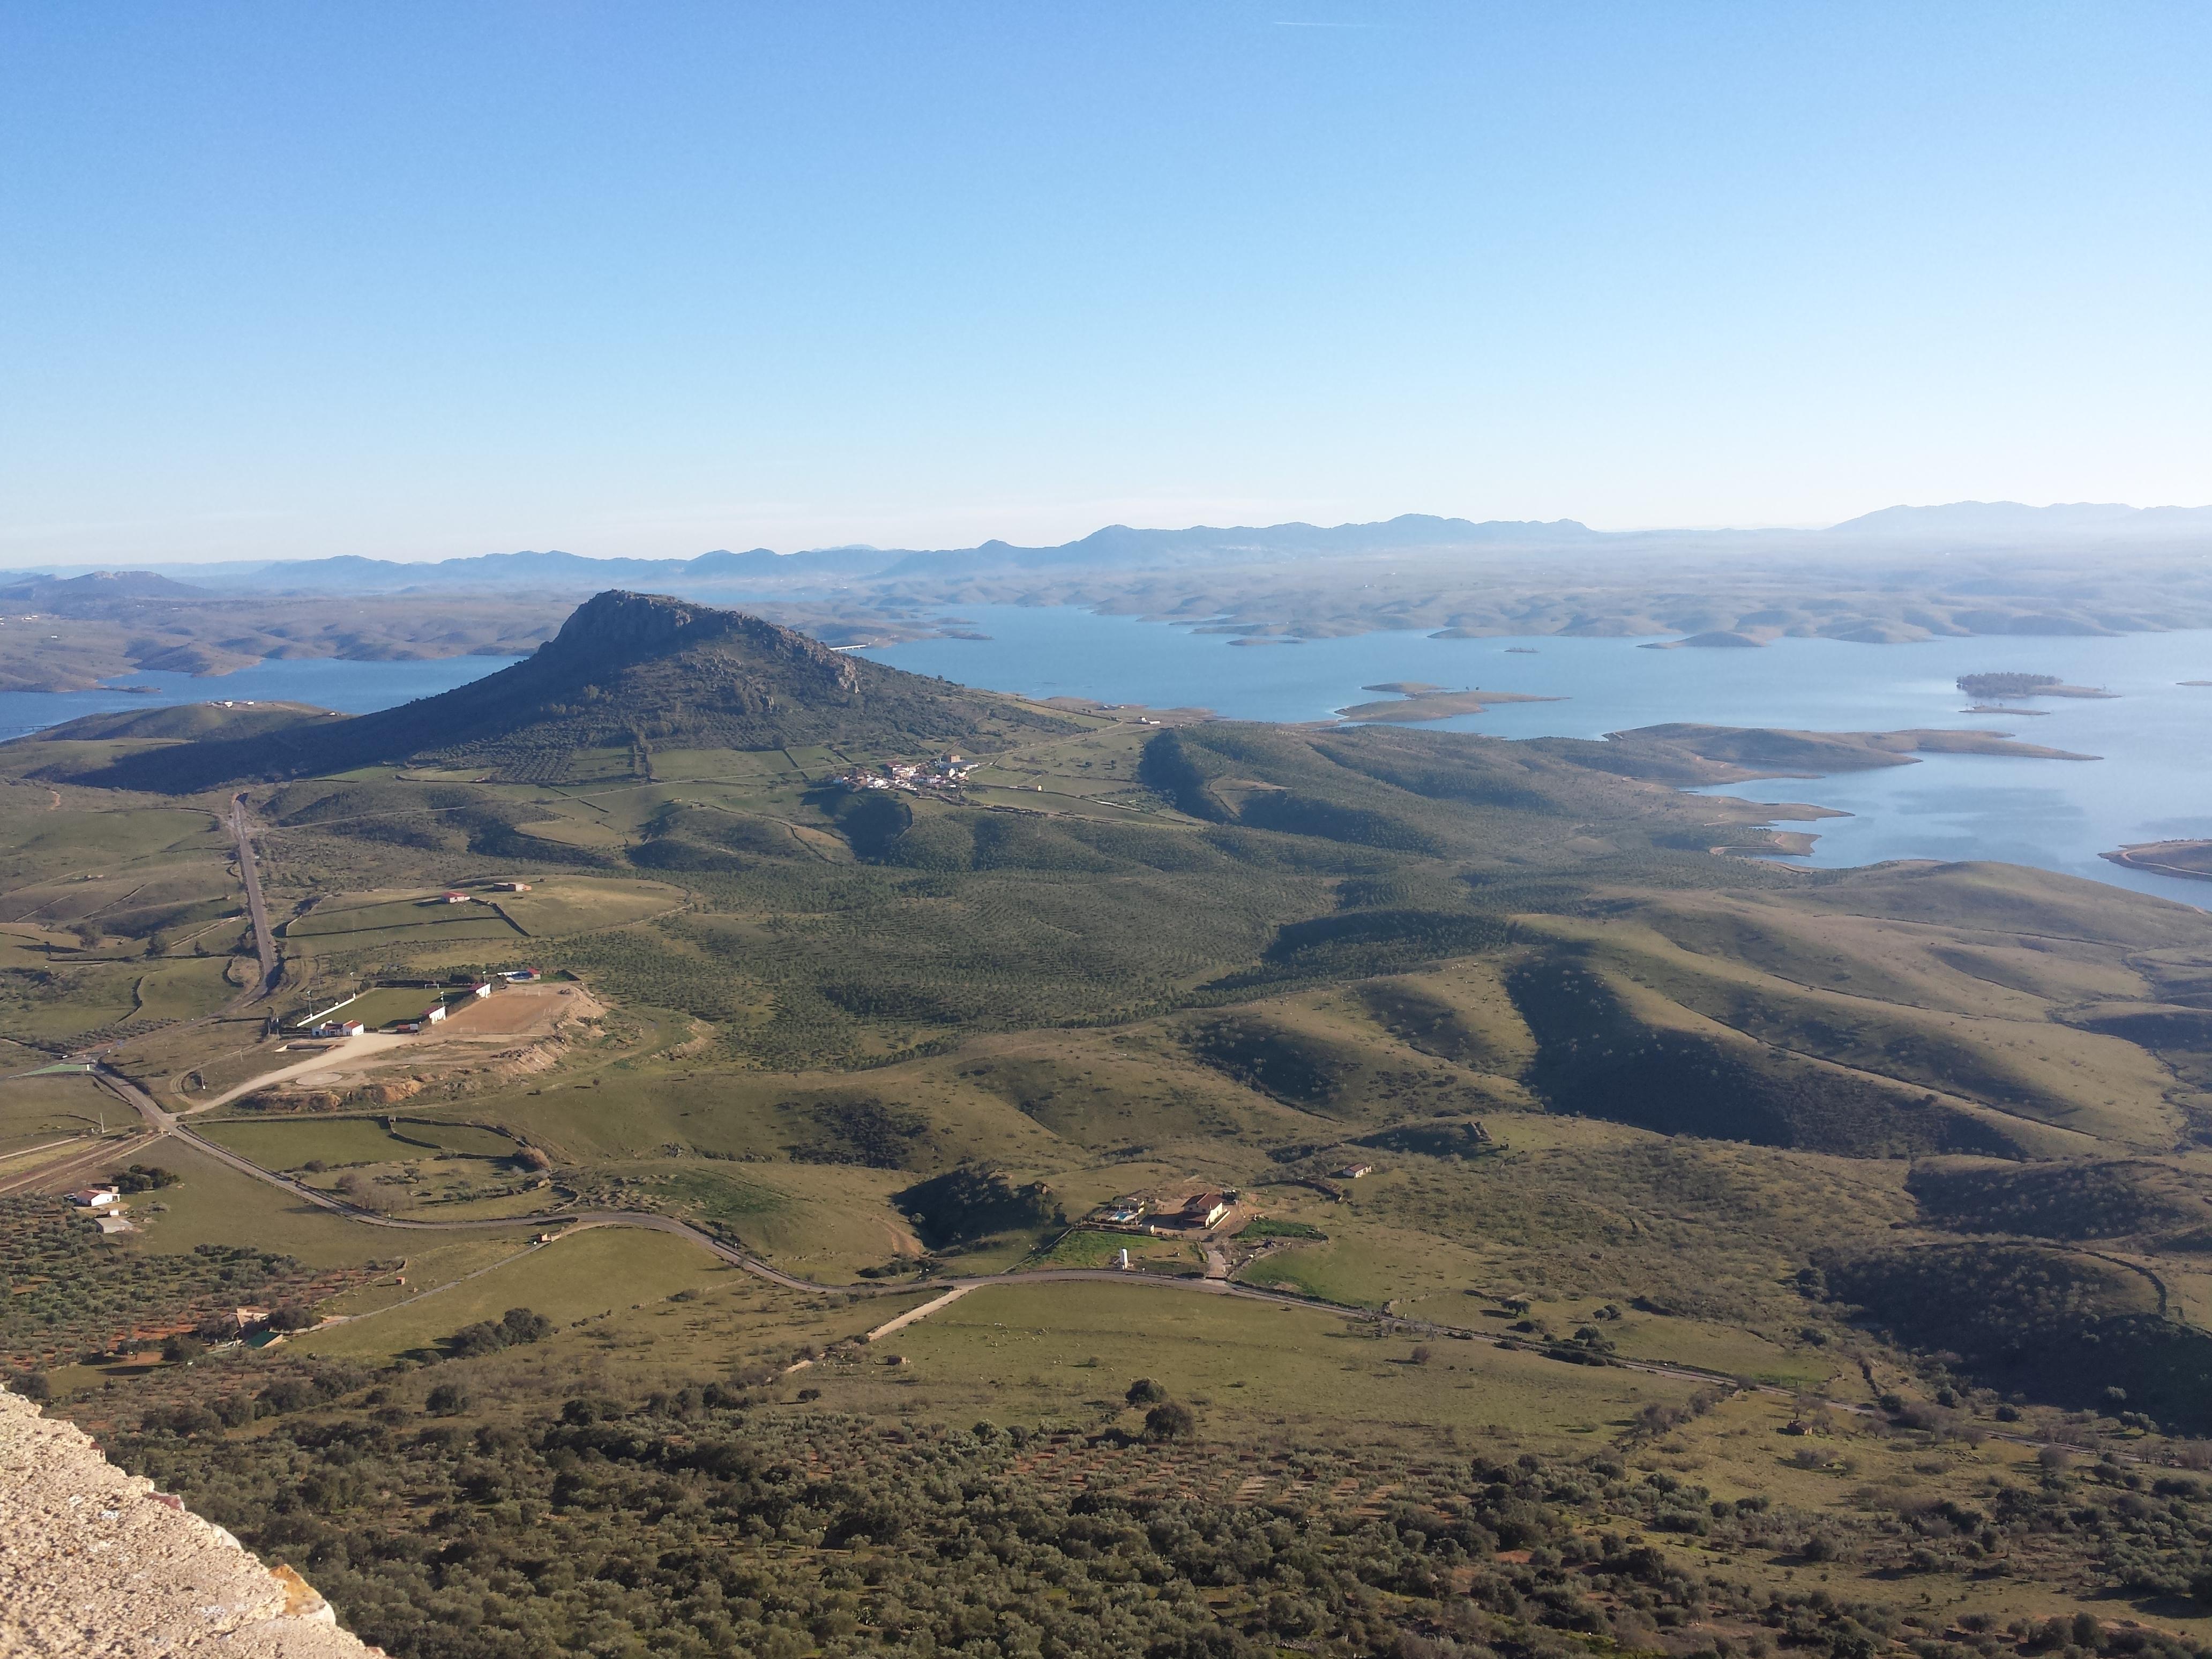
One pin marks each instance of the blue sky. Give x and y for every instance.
(418, 280)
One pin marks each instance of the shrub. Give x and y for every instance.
(144, 1178)
(1170, 1420)
(516, 1325)
(1145, 1392)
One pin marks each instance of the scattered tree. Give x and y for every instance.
(1170, 1420)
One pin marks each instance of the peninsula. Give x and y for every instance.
(2192, 858)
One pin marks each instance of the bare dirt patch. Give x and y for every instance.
(512, 1033)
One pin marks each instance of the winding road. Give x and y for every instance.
(164, 1124)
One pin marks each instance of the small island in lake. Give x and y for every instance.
(2192, 858)
(1416, 701)
(1979, 686)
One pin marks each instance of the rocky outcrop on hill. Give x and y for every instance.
(95, 1561)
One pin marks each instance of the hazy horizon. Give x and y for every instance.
(402, 557)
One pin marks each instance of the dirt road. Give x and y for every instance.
(347, 1052)
(166, 1124)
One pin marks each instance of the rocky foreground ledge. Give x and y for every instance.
(95, 1561)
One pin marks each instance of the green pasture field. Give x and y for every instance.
(817, 759)
(53, 1005)
(35, 1109)
(586, 1274)
(111, 904)
(818, 1221)
(600, 1111)
(748, 766)
(214, 1203)
(427, 1263)
(438, 1186)
(465, 1138)
(26, 945)
(1070, 1350)
(575, 904)
(288, 1145)
(573, 830)
(185, 990)
(1334, 1272)
(75, 841)
(629, 809)
(591, 765)
(463, 1201)
(376, 921)
(381, 1007)
(1082, 1246)
(500, 924)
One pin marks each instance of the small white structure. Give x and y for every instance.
(457, 898)
(1204, 1210)
(481, 988)
(431, 1015)
(95, 1198)
(1123, 1263)
(321, 1016)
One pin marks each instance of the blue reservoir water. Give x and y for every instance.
(2152, 781)
(351, 687)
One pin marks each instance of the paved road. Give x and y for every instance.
(161, 1125)
(164, 1123)
(265, 941)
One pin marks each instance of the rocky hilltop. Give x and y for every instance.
(93, 1560)
(632, 671)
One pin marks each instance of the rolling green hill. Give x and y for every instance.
(630, 672)
(1515, 1043)
(187, 722)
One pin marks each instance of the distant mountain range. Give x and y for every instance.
(1992, 520)
(1118, 548)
